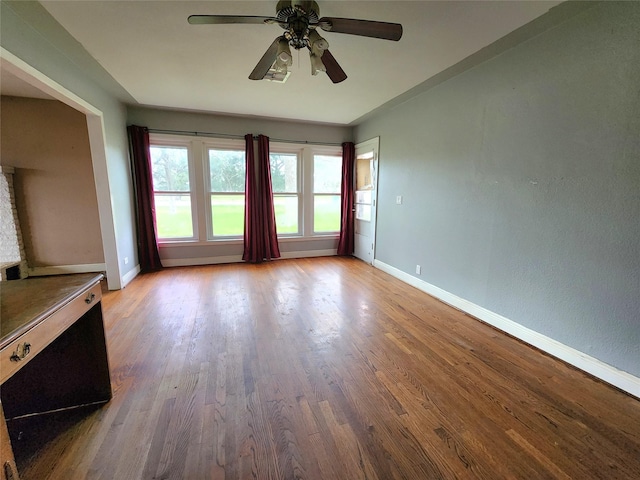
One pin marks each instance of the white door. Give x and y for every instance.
(365, 199)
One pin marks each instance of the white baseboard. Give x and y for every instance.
(618, 378)
(63, 269)
(310, 253)
(130, 275)
(186, 262)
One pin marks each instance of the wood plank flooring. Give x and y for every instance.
(329, 369)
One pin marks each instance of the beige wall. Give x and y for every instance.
(47, 143)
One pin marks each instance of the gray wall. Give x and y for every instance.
(30, 33)
(238, 125)
(521, 184)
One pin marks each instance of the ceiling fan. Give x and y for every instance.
(300, 21)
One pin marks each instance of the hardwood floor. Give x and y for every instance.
(329, 369)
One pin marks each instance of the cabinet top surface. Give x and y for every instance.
(24, 303)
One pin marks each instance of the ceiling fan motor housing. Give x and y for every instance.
(287, 8)
(295, 17)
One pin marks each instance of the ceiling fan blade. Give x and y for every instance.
(222, 19)
(365, 28)
(266, 61)
(334, 71)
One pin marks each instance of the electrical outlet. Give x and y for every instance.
(126, 260)
(418, 269)
(399, 200)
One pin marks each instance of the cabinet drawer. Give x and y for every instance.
(18, 353)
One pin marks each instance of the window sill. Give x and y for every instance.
(239, 241)
(314, 238)
(198, 243)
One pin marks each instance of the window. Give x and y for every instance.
(226, 190)
(199, 189)
(172, 192)
(327, 174)
(286, 194)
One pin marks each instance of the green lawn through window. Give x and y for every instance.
(227, 215)
(326, 216)
(173, 216)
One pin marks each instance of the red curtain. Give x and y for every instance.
(148, 255)
(345, 244)
(260, 235)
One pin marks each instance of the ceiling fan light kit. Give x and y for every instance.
(317, 47)
(283, 57)
(300, 20)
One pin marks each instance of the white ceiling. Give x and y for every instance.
(161, 60)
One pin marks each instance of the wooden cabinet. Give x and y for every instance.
(53, 355)
(8, 465)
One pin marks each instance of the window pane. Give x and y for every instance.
(327, 173)
(326, 213)
(286, 207)
(284, 172)
(173, 216)
(170, 169)
(227, 215)
(227, 168)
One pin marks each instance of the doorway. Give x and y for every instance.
(97, 144)
(365, 199)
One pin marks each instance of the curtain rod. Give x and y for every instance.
(228, 135)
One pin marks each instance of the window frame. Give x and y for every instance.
(289, 149)
(200, 188)
(175, 142)
(326, 152)
(223, 145)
